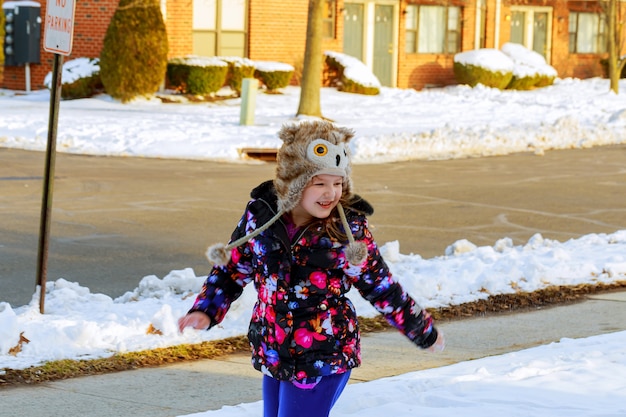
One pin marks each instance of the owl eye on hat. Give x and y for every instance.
(309, 148)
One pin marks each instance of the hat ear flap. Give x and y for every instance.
(288, 133)
(344, 133)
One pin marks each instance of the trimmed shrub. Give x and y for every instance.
(545, 80)
(529, 81)
(80, 78)
(522, 83)
(274, 75)
(530, 68)
(473, 75)
(350, 86)
(488, 67)
(133, 59)
(197, 75)
(350, 75)
(238, 69)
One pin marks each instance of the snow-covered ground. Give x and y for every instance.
(576, 378)
(453, 122)
(580, 377)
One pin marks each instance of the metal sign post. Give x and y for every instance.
(59, 32)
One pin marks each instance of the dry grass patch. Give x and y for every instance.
(496, 304)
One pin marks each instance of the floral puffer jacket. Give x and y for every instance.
(302, 324)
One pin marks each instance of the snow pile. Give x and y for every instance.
(80, 324)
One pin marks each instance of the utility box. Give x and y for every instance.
(22, 37)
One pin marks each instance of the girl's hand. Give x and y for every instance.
(440, 343)
(197, 320)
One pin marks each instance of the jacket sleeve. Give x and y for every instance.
(375, 283)
(226, 283)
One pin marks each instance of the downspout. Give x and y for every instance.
(496, 35)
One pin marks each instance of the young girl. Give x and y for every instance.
(304, 242)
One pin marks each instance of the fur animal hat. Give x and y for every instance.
(309, 148)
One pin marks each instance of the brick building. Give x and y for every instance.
(406, 43)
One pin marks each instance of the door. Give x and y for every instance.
(353, 25)
(518, 27)
(531, 26)
(383, 44)
(540, 33)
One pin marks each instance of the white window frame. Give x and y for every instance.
(330, 20)
(530, 18)
(416, 21)
(595, 42)
(219, 18)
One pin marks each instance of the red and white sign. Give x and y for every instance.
(59, 26)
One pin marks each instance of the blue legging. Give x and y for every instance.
(284, 399)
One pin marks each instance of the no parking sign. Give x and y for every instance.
(58, 34)
(59, 26)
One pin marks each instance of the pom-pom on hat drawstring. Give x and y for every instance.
(356, 252)
(219, 254)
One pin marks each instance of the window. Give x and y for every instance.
(219, 27)
(329, 19)
(433, 29)
(587, 33)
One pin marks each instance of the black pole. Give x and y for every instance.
(48, 185)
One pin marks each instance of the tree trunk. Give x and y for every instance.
(310, 102)
(613, 62)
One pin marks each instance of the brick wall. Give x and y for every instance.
(424, 70)
(91, 20)
(418, 70)
(179, 22)
(277, 32)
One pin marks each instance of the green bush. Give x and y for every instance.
(133, 59)
(342, 67)
(238, 69)
(82, 88)
(80, 79)
(350, 86)
(274, 80)
(197, 75)
(523, 83)
(473, 75)
(545, 80)
(530, 68)
(529, 82)
(274, 75)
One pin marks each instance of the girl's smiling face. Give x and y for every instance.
(319, 198)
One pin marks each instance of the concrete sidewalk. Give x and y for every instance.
(193, 387)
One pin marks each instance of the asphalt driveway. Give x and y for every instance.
(116, 220)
